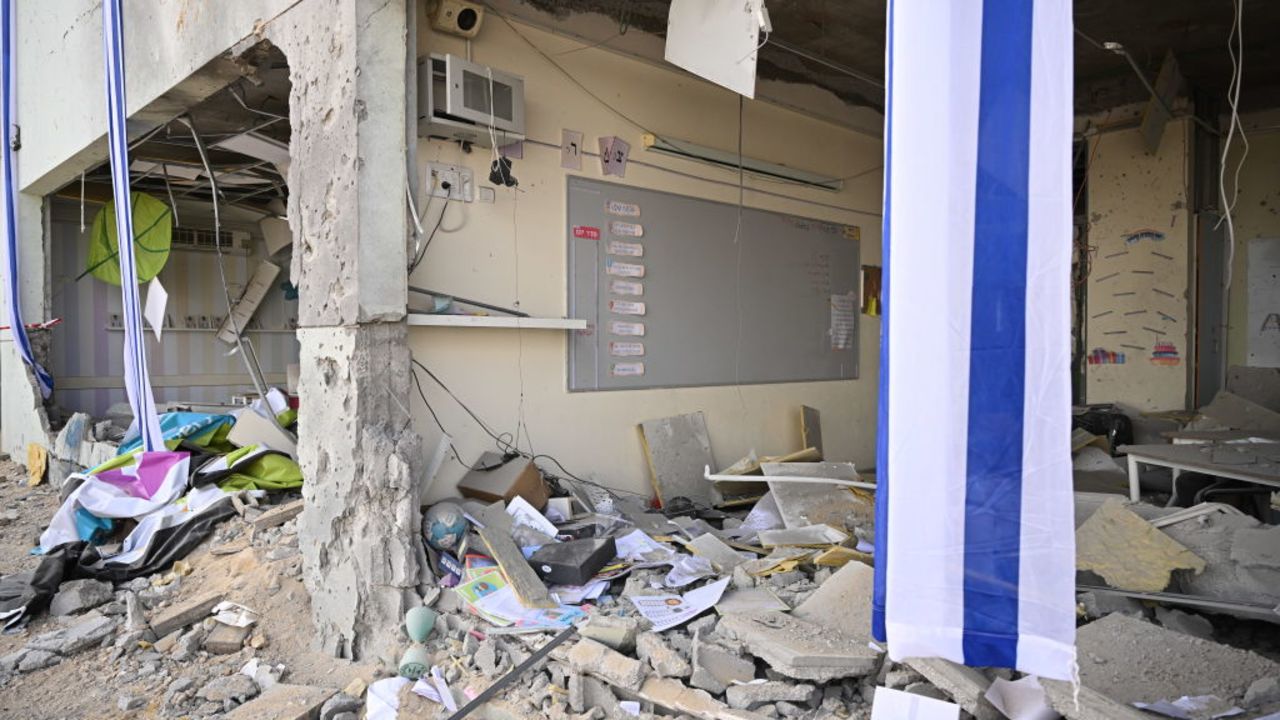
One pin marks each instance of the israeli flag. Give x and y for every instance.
(975, 535)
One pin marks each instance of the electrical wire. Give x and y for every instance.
(505, 446)
(423, 251)
(566, 73)
(1233, 99)
(713, 181)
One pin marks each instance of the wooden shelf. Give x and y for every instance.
(496, 321)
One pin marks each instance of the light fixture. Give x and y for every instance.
(729, 160)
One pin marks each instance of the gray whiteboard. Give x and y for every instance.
(779, 305)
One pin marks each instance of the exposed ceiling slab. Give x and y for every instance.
(838, 45)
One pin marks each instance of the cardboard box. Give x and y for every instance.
(518, 476)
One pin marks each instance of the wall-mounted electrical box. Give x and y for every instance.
(461, 100)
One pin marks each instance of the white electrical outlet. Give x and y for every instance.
(460, 180)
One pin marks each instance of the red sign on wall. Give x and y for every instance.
(586, 232)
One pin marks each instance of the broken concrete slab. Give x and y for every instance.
(1212, 538)
(1128, 552)
(619, 633)
(1092, 704)
(967, 686)
(76, 596)
(66, 641)
(284, 702)
(807, 536)
(750, 599)
(1131, 660)
(1262, 692)
(723, 557)
(665, 662)
(183, 615)
(800, 649)
(1098, 604)
(843, 602)
(753, 695)
(1257, 547)
(801, 504)
(277, 516)
(226, 639)
(715, 667)
(674, 696)
(679, 450)
(1185, 623)
(1237, 413)
(591, 657)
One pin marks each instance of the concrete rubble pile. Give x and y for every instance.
(715, 615)
(204, 656)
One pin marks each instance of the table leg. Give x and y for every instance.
(1134, 493)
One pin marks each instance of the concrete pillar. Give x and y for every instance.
(346, 208)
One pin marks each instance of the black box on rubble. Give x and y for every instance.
(574, 562)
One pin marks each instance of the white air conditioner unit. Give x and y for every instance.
(454, 101)
(194, 238)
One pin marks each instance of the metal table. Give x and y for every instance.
(1257, 463)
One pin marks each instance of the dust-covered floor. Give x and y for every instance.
(263, 575)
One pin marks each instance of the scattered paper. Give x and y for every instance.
(489, 596)
(630, 707)
(157, 301)
(686, 569)
(637, 546)
(442, 689)
(383, 700)
(570, 149)
(890, 704)
(1021, 700)
(522, 513)
(577, 594)
(668, 611)
(1190, 708)
(234, 614)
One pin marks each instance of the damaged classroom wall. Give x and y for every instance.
(191, 364)
(1137, 289)
(1257, 215)
(514, 251)
(62, 134)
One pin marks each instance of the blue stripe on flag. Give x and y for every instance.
(882, 412)
(993, 483)
(12, 277)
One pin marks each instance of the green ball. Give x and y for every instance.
(418, 622)
(415, 662)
